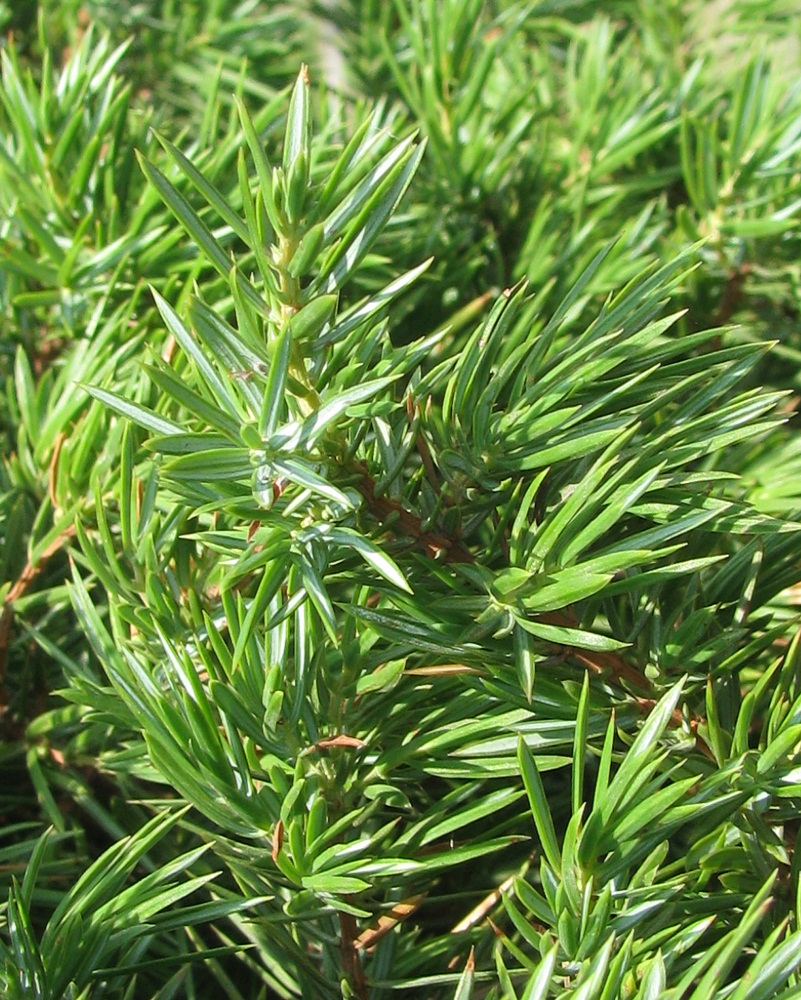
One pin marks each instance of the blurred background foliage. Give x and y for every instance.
(667, 135)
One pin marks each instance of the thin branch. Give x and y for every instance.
(351, 962)
(20, 587)
(401, 521)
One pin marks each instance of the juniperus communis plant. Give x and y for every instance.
(400, 501)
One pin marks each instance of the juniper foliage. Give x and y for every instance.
(399, 499)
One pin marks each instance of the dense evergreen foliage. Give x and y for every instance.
(400, 499)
